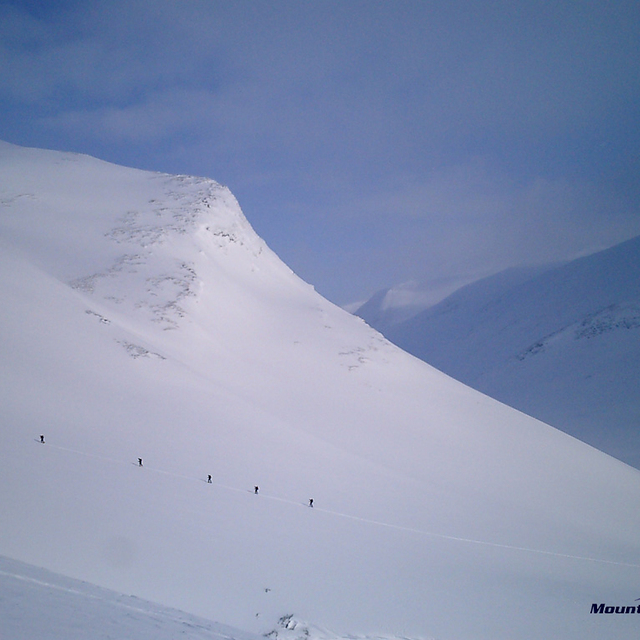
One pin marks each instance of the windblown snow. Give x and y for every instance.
(142, 317)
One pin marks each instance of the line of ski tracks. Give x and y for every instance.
(348, 516)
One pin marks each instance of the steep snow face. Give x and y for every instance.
(563, 346)
(143, 318)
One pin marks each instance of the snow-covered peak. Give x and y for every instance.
(143, 319)
(125, 236)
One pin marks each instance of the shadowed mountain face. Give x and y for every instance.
(153, 340)
(562, 345)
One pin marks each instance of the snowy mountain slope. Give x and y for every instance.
(563, 346)
(391, 306)
(142, 317)
(35, 603)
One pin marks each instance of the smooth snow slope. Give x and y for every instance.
(36, 604)
(142, 317)
(563, 345)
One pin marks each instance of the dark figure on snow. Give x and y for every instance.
(139, 462)
(209, 478)
(255, 489)
(42, 439)
(311, 502)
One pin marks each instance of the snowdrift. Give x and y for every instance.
(143, 318)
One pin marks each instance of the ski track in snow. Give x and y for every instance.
(514, 530)
(158, 617)
(58, 587)
(348, 516)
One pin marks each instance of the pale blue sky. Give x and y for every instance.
(368, 142)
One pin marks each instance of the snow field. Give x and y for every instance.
(438, 512)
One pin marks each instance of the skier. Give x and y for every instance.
(209, 478)
(139, 462)
(42, 439)
(255, 489)
(311, 502)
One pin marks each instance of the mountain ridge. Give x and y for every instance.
(559, 346)
(426, 493)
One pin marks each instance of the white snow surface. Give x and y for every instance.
(36, 604)
(143, 317)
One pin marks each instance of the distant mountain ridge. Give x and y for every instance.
(393, 305)
(561, 344)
